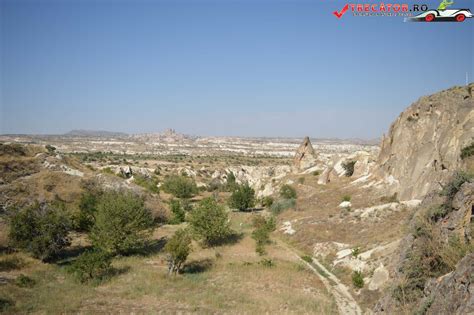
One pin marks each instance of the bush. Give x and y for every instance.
(231, 184)
(5, 304)
(91, 266)
(467, 151)
(242, 198)
(210, 222)
(301, 180)
(267, 262)
(180, 186)
(178, 212)
(307, 258)
(316, 173)
(178, 249)
(267, 201)
(261, 234)
(287, 192)
(40, 229)
(357, 279)
(355, 252)
(50, 148)
(348, 168)
(149, 183)
(11, 263)
(85, 219)
(346, 198)
(122, 223)
(452, 188)
(281, 205)
(24, 281)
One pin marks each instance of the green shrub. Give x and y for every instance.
(50, 148)
(231, 183)
(281, 205)
(287, 192)
(210, 222)
(122, 223)
(242, 198)
(346, 198)
(307, 258)
(178, 249)
(180, 186)
(24, 281)
(40, 229)
(356, 252)
(107, 170)
(316, 173)
(452, 188)
(357, 279)
(149, 183)
(267, 262)
(261, 234)
(267, 201)
(91, 266)
(85, 218)
(348, 168)
(178, 212)
(11, 263)
(5, 304)
(467, 151)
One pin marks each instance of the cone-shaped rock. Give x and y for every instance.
(305, 156)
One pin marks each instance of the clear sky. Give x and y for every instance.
(248, 68)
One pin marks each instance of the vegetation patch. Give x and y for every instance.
(467, 151)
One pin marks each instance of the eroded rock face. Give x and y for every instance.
(454, 294)
(305, 156)
(422, 147)
(458, 222)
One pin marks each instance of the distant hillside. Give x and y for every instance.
(95, 133)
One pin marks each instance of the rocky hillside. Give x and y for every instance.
(422, 148)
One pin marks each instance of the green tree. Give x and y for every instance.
(231, 183)
(122, 223)
(180, 186)
(178, 249)
(92, 265)
(287, 192)
(178, 211)
(210, 222)
(242, 198)
(40, 229)
(261, 234)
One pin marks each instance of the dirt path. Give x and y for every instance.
(344, 300)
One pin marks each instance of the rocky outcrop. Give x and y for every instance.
(455, 225)
(422, 148)
(454, 294)
(305, 156)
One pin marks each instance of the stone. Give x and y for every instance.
(305, 157)
(422, 148)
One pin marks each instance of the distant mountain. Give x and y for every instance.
(94, 133)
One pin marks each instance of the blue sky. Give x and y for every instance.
(248, 68)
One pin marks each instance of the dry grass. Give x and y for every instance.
(227, 279)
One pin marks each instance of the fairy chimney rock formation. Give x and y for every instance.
(305, 156)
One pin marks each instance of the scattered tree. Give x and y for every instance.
(357, 279)
(210, 221)
(178, 249)
(92, 265)
(242, 198)
(261, 234)
(180, 186)
(122, 223)
(178, 212)
(41, 229)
